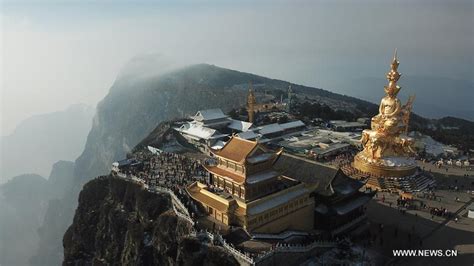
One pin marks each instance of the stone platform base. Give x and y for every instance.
(415, 183)
(390, 167)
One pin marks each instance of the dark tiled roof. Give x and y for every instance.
(344, 185)
(348, 206)
(326, 179)
(307, 171)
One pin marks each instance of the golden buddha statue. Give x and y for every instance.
(390, 107)
(387, 149)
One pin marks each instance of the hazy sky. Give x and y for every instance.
(65, 52)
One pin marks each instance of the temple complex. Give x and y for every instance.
(245, 190)
(268, 191)
(264, 191)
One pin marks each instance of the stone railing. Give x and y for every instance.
(120, 174)
(175, 198)
(304, 248)
(176, 202)
(187, 218)
(237, 253)
(283, 235)
(219, 240)
(295, 248)
(279, 248)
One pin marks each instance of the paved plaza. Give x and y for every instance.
(446, 169)
(393, 228)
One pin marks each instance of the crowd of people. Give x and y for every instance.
(342, 159)
(167, 170)
(441, 212)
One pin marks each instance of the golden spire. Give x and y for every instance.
(393, 76)
(251, 101)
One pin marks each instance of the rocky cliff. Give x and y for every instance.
(119, 223)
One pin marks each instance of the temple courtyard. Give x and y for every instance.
(393, 227)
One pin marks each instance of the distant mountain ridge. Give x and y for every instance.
(24, 200)
(41, 140)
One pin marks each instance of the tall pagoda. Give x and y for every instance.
(251, 102)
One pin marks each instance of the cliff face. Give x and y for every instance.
(119, 223)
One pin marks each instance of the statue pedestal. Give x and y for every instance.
(386, 167)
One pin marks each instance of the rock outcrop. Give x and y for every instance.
(119, 223)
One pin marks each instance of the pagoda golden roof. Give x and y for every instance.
(237, 149)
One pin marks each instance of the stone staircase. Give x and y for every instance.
(414, 183)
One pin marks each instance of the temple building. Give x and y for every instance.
(253, 107)
(245, 190)
(212, 118)
(199, 136)
(211, 128)
(339, 201)
(264, 191)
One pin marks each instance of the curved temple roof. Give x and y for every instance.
(237, 149)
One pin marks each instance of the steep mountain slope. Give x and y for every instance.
(119, 223)
(40, 141)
